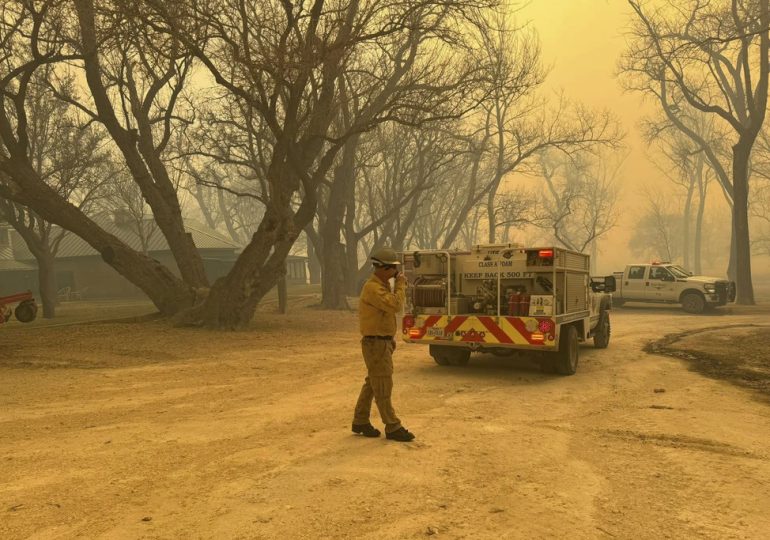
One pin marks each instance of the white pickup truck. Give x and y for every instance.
(669, 283)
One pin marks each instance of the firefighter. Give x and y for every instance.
(377, 310)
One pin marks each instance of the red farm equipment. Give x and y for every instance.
(25, 311)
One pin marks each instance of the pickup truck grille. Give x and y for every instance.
(725, 290)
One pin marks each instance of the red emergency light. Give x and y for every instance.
(545, 253)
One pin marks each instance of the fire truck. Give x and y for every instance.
(505, 299)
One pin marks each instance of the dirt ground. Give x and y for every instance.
(139, 430)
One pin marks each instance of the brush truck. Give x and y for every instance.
(671, 284)
(505, 299)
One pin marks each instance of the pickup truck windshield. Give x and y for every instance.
(679, 272)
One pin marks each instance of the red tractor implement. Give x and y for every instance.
(25, 311)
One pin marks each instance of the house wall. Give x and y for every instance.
(93, 278)
(96, 279)
(16, 281)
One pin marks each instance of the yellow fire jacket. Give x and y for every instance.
(377, 307)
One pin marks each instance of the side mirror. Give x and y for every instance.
(609, 284)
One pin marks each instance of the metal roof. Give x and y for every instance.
(74, 246)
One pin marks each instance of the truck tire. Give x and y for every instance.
(460, 357)
(26, 311)
(450, 356)
(566, 360)
(693, 302)
(602, 331)
(439, 355)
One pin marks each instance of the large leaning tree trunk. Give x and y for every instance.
(33, 39)
(19, 183)
(143, 143)
(234, 298)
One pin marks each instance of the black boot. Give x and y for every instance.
(367, 430)
(401, 435)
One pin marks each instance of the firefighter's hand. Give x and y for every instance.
(401, 279)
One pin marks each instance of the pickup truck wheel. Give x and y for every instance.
(567, 357)
(693, 302)
(602, 332)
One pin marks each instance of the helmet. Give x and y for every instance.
(385, 255)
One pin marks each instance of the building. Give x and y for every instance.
(15, 276)
(81, 272)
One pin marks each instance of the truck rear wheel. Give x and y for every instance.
(602, 331)
(461, 357)
(567, 358)
(449, 356)
(439, 356)
(693, 302)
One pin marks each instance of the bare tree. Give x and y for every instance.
(69, 159)
(136, 79)
(443, 82)
(226, 158)
(404, 181)
(713, 56)
(32, 36)
(122, 201)
(686, 165)
(518, 122)
(285, 61)
(579, 204)
(657, 232)
(760, 199)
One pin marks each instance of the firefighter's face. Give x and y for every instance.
(389, 270)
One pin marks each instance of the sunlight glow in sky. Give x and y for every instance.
(581, 42)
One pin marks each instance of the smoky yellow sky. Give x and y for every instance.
(582, 41)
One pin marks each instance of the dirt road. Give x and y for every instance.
(143, 431)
